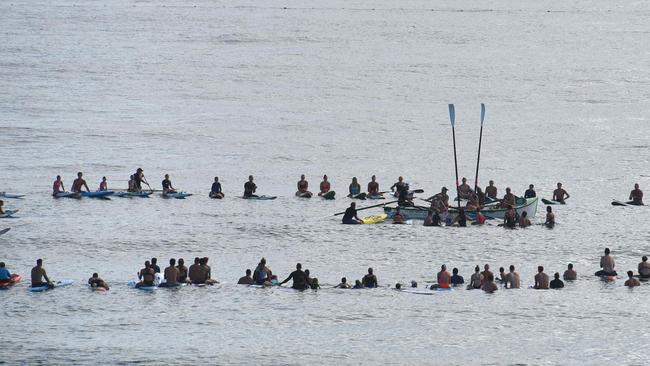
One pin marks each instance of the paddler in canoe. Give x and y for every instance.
(636, 196)
(57, 186)
(95, 281)
(167, 187)
(303, 188)
(79, 183)
(38, 274)
(325, 186)
(350, 216)
(215, 190)
(354, 188)
(607, 265)
(250, 188)
(103, 185)
(560, 195)
(440, 203)
(491, 191)
(373, 188)
(464, 190)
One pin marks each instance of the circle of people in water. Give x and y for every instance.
(200, 274)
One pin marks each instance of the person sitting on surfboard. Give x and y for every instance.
(57, 187)
(550, 218)
(636, 196)
(95, 281)
(644, 268)
(443, 277)
(373, 187)
(556, 283)
(541, 279)
(491, 191)
(632, 281)
(262, 273)
(147, 276)
(103, 185)
(207, 271)
(560, 194)
(250, 188)
(78, 183)
(607, 264)
(247, 279)
(182, 271)
(530, 192)
(355, 187)
(488, 284)
(324, 186)
(167, 185)
(303, 187)
(570, 274)
(171, 274)
(512, 278)
(215, 190)
(38, 274)
(350, 216)
(456, 279)
(464, 189)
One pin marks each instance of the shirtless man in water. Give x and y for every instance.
(373, 187)
(607, 264)
(79, 183)
(644, 268)
(509, 199)
(146, 276)
(636, 196)
(512, 278)
(476, 280)
(541, 279)
(560, 194)
(303, 186)
(632, 281)
(486, 272)
(488, 284)
(171, 274)
(464, 190)
(38, 274)
(570, 274)
(443, 277)
(300, 280)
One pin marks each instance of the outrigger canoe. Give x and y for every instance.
(528, 205)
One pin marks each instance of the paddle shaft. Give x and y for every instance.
(367, 207)
(452, 117)
(480, 138)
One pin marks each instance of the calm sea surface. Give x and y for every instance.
(344, 88)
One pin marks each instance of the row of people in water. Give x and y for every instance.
(474, 197)
(199, 273)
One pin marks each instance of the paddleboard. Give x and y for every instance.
(261, 198)
(97, 194)
(57, 284)
(375, 197)
(133, 284)
(620, 203)
(4, 231)
(8, 214)
(304, 194)
(15, 278)
(177, 195)
(67, 195)
(551, 202)
(360, 196)
(329, 195)
(11, 195)
(98, 289)
(133, 194)
(375, 219)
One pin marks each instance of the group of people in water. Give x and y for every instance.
(199, 273)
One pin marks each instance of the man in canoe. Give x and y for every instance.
(79, 183)
(541, 279)
(373, 187)
(299, 278)
(443, 277)
(631, 280)
(560, 195)
(530, 192)
(369, 280)
(250, 188)
(550, 218)
(644, 268)
(167, 185)
(570, 274)
(464, 189)
(350, 216)
(215, 190)
(246, 280)
(171, 275)
(325, 186)
(95, 281)
(636, 196)
(607, 265)
(509, 199)
(57, 186)
(303, 187)
(354, 188)
(472, 202)
(38, 274)
(103, 185)
(491, 191)
(138, 179)
(512, 278)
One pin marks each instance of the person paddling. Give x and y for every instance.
(300, 281)
(215, 190)
(103, 185)
(560, 195)
(79, 183)
(96, 282)
(57, 186)
(138, 179)
(38, 274)
(373, 187)
(325, 186)
(354, 188)
(303, 187)
(167, 185)
(250, 188)
(350, 216)
(398, 185)
(636, 196)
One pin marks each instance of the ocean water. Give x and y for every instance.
(344, 88)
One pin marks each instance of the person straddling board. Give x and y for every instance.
(369, 280)
(167, 185)
(636, 196)
(171, 275)
(607, 265)
(632, 281)
(303, 187)
(247, 279)
(570, 274)
(57, 186)
(215, 190)
(38, 274)
(541, 279)
(250, 188)
(147, 276)
(138, 179)
(560, 195)
(103, 185)
(350, 216)
(644, 268)
(325, 186)
(373, 187)
(354, 188)
(79, 183)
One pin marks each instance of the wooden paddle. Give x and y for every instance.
(367, 207)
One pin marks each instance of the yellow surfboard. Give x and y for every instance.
(375, 219)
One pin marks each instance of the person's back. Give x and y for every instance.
(541, 279)
(5, 275)
(171, 275)
(246, 280)
(632, 281)
(476, 280)
(512, 280)
(37, 275)
(570, 274)
(556, 282)
(644, 268)
(444, 278)
(607, 264)
(369, 280)
(456, 279)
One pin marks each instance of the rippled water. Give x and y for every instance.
(340, 88)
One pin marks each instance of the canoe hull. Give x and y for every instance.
(528, 205)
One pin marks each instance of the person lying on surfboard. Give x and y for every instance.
(355, 187)
(636, 196)
(373, 187)
(167, 185)
(215, 190)
(530, 192)
(303, 187)
(95, 281)
(607, 264)
(78, 183)
(57, 186)
(324, 186)
(250, 188)
(560, 194)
